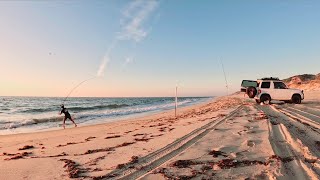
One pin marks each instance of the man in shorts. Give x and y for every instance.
(66, 116)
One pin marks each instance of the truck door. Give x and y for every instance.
(265, 88)
(280, 91)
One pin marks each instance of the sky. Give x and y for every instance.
(146, 48)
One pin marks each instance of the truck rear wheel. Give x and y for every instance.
(296, 99)
(251, 92)
(265, 99)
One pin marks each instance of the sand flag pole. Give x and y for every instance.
(176, 100)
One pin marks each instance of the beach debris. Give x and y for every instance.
(134, 159)
(170, 175)
(221, 115)
(58, 155)
(125, 144)
(94, 162)
(120, 166)
(89, 138)
(157, 135)
(73, 169)
(69, 143)
(155, 125)
(162, 129)
(130, 164)
(261, 116)
(242, 132)
(233, 163)
(107, 149)
(159, 170)
(96, 170)
(112, 133)
(16, 156)
(215, 153)
(183, 163)
(251, 143)
(9, 154)
(98, 150)
(104, 177)
(26, 147)
(111, 137)
(282, 159)
(206, 167)
(143, 139)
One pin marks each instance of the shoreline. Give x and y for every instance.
(131, 117)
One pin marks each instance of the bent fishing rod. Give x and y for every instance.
(77, 87)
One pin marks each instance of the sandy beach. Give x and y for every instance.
(227, 138)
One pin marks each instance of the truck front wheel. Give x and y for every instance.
(296, 99)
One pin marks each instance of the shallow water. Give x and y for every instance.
(30, 114)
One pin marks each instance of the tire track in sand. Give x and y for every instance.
(288, 143)
(148, 163)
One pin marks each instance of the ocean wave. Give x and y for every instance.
(77, 108)
(38, 110)
(15, 124)
(110, 106)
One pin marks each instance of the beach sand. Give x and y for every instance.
(228, 137)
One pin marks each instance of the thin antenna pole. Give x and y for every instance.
(176, 100)
(225, 77)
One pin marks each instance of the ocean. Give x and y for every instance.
(32, 114)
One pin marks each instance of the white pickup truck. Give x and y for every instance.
(266, 89)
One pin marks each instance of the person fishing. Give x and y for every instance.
(66, 116)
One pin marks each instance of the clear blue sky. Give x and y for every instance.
(47, 47)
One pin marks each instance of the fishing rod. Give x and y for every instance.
(77, 87)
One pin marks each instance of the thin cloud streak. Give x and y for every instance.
(105, 60)
(134, 17)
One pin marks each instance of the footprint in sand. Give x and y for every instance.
(251, 143)
(242, 132)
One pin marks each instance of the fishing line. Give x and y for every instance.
(77, 87)
(225, 77)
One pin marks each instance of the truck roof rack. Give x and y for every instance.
(270, 78)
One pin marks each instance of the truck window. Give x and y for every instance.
(265, 85)
(279, 85)
(249, 83)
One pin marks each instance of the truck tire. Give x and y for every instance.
(251, 92)
(265, 99)
(296, 99)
